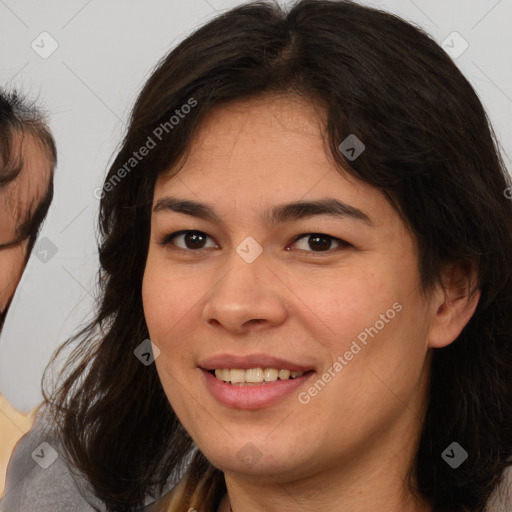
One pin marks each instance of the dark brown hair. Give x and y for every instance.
(429, 148)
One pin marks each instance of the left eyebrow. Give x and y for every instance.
(306, 209)
(276, 215)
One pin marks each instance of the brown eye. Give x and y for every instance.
(318, 242)
(186, 239)
(194, 240)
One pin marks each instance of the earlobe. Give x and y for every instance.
(454, 305)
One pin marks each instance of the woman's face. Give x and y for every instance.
(251, 288)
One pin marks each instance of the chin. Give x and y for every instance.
(248, 458)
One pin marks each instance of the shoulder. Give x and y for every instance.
(38, 477)
(12, 426)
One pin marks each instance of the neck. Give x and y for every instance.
(315, 495)
(376, 475)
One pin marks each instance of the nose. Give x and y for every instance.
(249, 296)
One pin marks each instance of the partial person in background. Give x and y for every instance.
(28, 157)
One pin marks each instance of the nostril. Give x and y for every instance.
(256, 321)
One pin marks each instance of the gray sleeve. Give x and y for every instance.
(39, 480)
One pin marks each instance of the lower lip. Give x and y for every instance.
(252, 397)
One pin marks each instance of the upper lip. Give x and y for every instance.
(245, 362)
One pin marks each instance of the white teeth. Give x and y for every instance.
(270, 374)
(254, 376)
(284, 374)
(237, 376)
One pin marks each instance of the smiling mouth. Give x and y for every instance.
(254, 376)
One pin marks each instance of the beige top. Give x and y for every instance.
(13, 425)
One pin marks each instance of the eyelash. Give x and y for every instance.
(166, 241)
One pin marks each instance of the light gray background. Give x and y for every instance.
(106, 50)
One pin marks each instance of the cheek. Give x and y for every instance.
(374, 314)
(157, 301)
(168, 308)
(170, 300)
(342, 304)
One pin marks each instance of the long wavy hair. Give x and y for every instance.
(429, 148)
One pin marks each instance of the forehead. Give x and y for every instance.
(267, 149)
(260, 125)
(261, 140)
(288, 113)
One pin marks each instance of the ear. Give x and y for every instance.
(455, 304)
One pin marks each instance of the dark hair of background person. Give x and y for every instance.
(429, 148)
(20, 117)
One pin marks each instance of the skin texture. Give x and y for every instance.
(18, 201)
(351, 445)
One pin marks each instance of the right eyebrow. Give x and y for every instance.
(187, 207)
